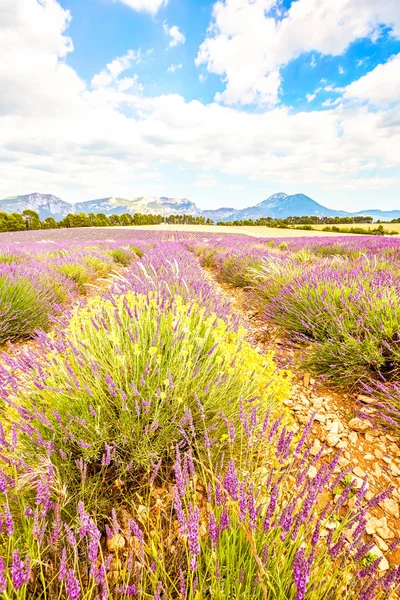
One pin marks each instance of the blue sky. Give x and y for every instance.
(222, 102)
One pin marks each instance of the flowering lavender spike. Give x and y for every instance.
(193, 535)
(3, 576)
(72, 585)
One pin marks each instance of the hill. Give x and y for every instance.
(277, 206)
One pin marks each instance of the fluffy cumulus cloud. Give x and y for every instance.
(379, 87)
(247, 43)
(114, 69)
(177, 37)
(150, 6)
(62, 134)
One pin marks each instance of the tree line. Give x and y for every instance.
(289, 221)
(29, 219)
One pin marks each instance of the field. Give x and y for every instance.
(390, 226)
(192, 415)
(168, 232)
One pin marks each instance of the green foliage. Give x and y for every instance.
(11, 257)
(142, 364)
(122, 256)
(80, 274)
(24, 307)
(137, 251)
(98, 265)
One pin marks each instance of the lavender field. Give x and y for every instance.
(151, 448)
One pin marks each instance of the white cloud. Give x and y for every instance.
(172, 68)
(151, 6)
(246, 46)
(205, 180)
(341, 71)
(235, 188)
(115, 68)
(177, 37)
(313, 63)
(379, 87)
(310, 97)
(60, 135)
(330, 102)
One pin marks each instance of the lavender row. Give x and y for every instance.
(343, 295)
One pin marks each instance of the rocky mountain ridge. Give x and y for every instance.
(277, 206)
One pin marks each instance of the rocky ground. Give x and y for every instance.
(369, 451)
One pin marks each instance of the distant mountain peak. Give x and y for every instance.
(279, 205)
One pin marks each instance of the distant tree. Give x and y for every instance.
(32, 219)
(50, 223)
(114, 220)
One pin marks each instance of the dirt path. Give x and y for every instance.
(371, 452)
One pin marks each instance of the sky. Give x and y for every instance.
(224, 103)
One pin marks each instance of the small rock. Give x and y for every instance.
(316, 447)
(320, 418)
(353, 437)
(368, 457)
(116, 542)
(378, 453)
(306, 379)
(359, 472)
(312, 472)
(317, 403)
(392, 507)
(395, 470)
(334, 427)
(303, 419)
(377, 469)
(383, 565)
(358, 424)
(385, 532)
(376, 551)
(382, 545)
(372, 524)
(332, 440)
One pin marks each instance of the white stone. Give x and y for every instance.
(358, 424)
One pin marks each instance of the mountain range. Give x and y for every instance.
(276, 206)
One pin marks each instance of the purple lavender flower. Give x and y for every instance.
(231, 482)
(179, 512)
(3, 576)
(271, 506)
(20, 572)
(128, 590)
(193, 535)
(72, 585)
(8, 521)
(62, 573)
(301, 573)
